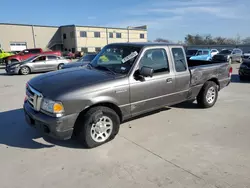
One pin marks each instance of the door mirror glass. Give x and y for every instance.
(146, 71)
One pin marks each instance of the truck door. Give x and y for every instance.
(148, 93)
(182, 74)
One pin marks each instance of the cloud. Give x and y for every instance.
(185, 16)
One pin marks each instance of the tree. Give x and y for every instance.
(209, 40)
(246, 40)
(162, 40)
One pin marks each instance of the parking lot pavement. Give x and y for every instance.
(180, 146)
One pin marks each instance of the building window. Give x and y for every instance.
(73, 50)
(72, 34)
(97, 49)
(97, 34)
(83, 34)
(118, 35)
(64, 36)
(85, 50)
(111, 35)
(142, 36)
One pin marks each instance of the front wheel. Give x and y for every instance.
(208, 95)
(60, 66)
(97, 126)
(24, 70)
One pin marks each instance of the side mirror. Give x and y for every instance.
(146, 71)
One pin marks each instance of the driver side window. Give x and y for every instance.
(155, 59)
(39, 59)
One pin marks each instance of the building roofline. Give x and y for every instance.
(130, 28)
(142, 28)
(29, 25)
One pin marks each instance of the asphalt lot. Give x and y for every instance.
(181, 146)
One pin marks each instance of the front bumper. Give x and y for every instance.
(57, 128)
(12, 70)
(244, 72)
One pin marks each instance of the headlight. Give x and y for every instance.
(15, 66)
(52, 107)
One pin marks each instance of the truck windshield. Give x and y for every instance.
(30, 59)
(117, 59)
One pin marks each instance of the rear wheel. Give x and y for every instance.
(208, 95)
(24, 70)
(97, 126)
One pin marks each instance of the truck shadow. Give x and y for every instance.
(15, 132)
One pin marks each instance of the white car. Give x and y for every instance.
(214, 52)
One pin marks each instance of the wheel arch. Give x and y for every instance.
(108, 104)
(215, 80)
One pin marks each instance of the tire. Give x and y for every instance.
(24, 70)
(242, 78)
(208, 95)
(60, 66)
(89, 133)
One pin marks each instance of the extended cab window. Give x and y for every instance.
(155, 59)
(179, 60)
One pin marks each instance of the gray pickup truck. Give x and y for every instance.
(123, 81)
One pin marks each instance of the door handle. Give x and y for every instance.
(169, 80)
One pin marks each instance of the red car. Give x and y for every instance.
(27, 53)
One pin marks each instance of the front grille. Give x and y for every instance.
(34, 97)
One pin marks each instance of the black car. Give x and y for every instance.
(244, 70)
(81, 62)
(235, 55)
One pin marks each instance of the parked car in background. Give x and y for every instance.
(246, 55)
(37, 63)
(202, 54)
(214, 52)
(81, 62)
(4, 55)
(27, 53)
(191, 52)
(235, 55)
(91, 102)
(244, 70)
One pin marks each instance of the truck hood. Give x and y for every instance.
(56, 83)
(75, 64)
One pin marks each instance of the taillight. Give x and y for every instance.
(230, 71)
(25, 98)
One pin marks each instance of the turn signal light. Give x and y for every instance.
(58, 108)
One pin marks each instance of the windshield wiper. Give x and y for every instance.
(100, 67)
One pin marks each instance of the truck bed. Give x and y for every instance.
(202, 71)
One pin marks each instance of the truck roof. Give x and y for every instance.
(146, 44)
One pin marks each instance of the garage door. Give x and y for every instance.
(18, 46)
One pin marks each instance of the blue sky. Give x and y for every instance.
(170, 19)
